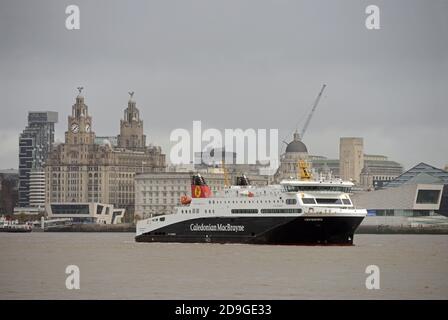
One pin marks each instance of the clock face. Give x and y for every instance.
(87, 127)
(74, 128)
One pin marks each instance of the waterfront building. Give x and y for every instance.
(37, 188)
(420, 191)
(414, 199)
(9, 185)
(351, 158)
(420, 173)
(34, 145)
(93, 212)
(81, 171)
(159, 192)
(425, 173)
(380, 169)
(295, 150)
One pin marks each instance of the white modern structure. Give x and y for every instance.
(408, 200)
(37, 189)
(92, 212)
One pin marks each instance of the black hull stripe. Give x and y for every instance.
(260, 230)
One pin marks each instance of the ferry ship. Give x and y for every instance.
(296, 211)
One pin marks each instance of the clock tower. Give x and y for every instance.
(131, 135)
(79, 123)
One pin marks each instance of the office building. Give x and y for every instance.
(34, 145)
(351, 158)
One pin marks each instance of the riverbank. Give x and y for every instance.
(123, 227)
(390, 229)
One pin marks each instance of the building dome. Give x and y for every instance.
(296, 145)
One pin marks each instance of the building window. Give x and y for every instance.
(428, 196)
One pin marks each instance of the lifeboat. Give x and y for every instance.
(247, 193)
(185, 200)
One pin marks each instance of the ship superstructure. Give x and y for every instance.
(296, 211)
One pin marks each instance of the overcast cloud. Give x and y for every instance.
(234, 64)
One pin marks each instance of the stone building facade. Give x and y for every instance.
(351, 158)
(296, 150)
(81, 170)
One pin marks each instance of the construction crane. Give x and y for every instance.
(316, 102)
(303, 170)
(225, 172)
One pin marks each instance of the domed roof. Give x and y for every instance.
(296, 145)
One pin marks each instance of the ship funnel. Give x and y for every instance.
(199, 188)
(242, 181)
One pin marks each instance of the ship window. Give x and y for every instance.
(281, 210)
(346, 201)
(162, 219)
(244, 210)
(308, 201)
(291, 201)
(289, 188)
(328, 201)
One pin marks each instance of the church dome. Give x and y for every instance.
(296, 145)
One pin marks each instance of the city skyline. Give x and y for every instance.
(386, 86)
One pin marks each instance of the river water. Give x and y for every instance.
(113, 266)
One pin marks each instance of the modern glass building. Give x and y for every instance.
(34, 145)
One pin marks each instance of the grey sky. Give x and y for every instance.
(234, 64)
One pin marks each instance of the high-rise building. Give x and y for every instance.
(81, 170)
(34, 145)
(9, 185)
(351, 158)
(37, 188)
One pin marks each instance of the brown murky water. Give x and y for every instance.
(113, 266)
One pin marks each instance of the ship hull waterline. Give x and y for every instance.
(259, 230)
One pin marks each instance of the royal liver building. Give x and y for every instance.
(81, 170)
